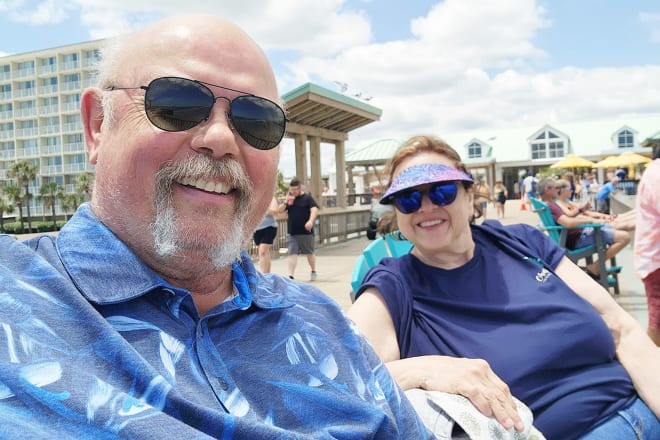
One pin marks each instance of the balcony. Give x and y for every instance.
(7, 114)
(72, 127)
(47, 68)
(70, 65)
(24, 73)
(71, 107)
(27, 152)
(25, 112)
(48, 89)
(70, 85)
(24, 93)
(51, 149)
(48, 170)
(27, 132)
(48, 109)
(74, 167)
(50, 129)
(7, 154)
(74, 147)
(7, 134)
(5, 75)
(5, 96)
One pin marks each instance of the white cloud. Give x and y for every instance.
(43, 12)
(653, 20)
(321, 27)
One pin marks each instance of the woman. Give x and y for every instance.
(489, 311)
(625, 221)
(264, 236)
(500, 196)
(482, 195)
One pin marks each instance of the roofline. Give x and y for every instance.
(327, 93)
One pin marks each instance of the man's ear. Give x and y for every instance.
(91, 111)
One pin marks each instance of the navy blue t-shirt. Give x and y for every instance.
(508, 307)
(298, 214)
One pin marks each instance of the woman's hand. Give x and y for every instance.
(472, 378)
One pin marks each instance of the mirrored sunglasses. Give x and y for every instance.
(441, 194)
(179, 104)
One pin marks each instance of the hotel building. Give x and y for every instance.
(40, 114)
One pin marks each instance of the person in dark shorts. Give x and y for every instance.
(302, 211)
(264, 236)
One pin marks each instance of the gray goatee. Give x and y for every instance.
(169, 237)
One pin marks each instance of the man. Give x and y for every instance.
(302, 211)
(603, 195)
(529, 186)
(144, 318)
(617, 239)
(647, 242)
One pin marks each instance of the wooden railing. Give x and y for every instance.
(333, 225)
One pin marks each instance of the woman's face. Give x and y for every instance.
(437, 229)
(563, 193)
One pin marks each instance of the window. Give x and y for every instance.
(474, 150)
(548, 144)
(625, 139)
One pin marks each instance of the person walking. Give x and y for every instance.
(647, 243)
(482, 195)
(302, 211)
(500, 195)
(264, 236)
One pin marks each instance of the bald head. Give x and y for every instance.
(179, 42)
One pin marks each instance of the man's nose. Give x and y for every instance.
(216, 137)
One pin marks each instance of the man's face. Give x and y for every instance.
(295, 190)
(196, 194)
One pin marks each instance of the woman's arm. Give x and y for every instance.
(567, 209)
(634, 349)
(472, 378)
(273, 207)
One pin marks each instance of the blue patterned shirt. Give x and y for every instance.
(94, 344)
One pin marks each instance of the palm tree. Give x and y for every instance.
(85, 183)
(5, 207)
(50, 193)
(69, 203)
(24, 171)
(14, 194)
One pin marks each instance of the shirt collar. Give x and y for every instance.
(107, 271)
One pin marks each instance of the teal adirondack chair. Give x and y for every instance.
(388, 246)
(608, 274)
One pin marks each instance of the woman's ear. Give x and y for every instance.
(91, 111)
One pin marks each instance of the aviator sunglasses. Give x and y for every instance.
(179, 104)
(441, 194)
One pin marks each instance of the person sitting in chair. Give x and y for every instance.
(625, 221)
(491, 311)
(617, 239)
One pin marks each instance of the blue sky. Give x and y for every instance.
(431, 66)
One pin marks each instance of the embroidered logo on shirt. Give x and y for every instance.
(543, 276)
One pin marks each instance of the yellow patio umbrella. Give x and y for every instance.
(573, 161)
(629, 158)
(608, 162)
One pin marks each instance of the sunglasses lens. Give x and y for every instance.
(443, 194)
(177, 104)
(259, 121)
(408, 202)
